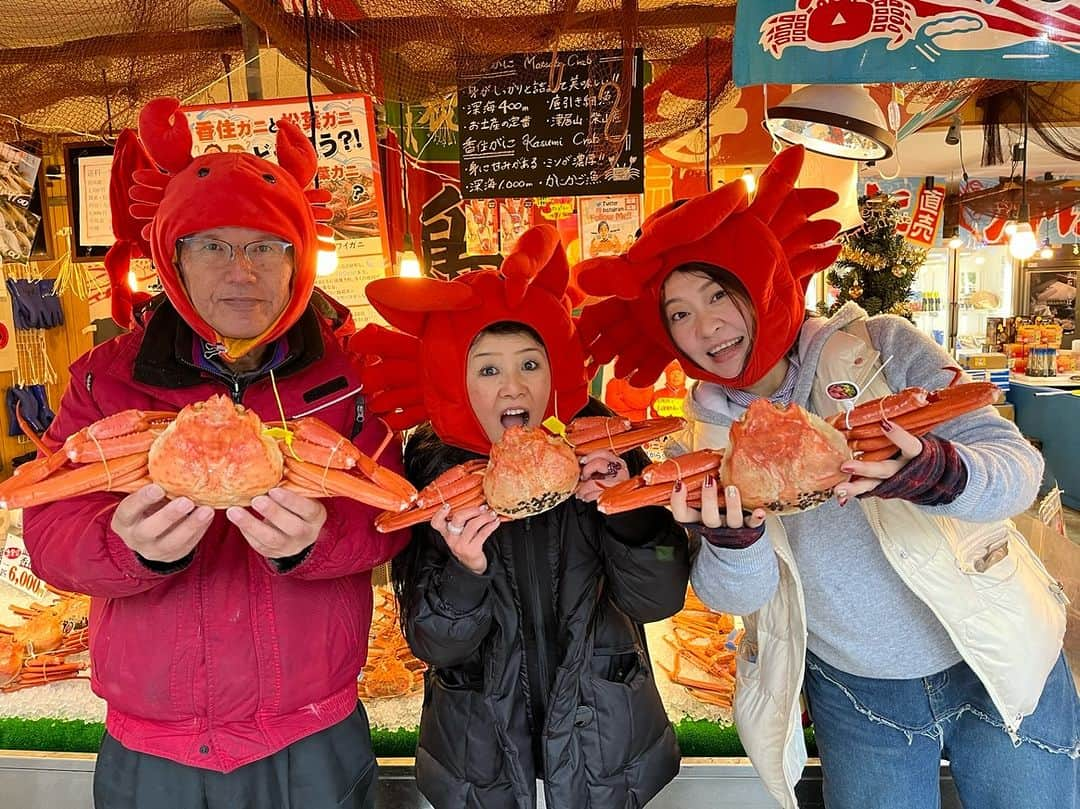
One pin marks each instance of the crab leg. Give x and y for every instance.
(338, 483)
(684, 466)
(389, 521)
(452, 482)
(642, 433)
(100, 435)
(590, 428)
(618, 498)
(101, 476)
(884, 409)
(967, 398)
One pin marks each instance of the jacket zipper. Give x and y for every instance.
(539, 688)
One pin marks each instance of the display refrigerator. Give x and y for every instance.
(957, 292)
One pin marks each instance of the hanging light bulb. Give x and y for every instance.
(1047, 251)
(326, 259)
(409, 267)
(955, 243)
(1010, 228)
(748, 178)
(1022, 244)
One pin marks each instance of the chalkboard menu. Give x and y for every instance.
(521, 138)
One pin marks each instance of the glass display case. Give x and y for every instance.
(980, 280)
(930, 296)
(984, 290)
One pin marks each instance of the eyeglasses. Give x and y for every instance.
(215, 254)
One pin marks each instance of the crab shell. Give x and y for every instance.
(783, 459)
(216, 454)
(529, 472)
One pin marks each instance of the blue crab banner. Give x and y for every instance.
(872, 41)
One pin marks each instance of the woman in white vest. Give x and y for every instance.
(909, 610)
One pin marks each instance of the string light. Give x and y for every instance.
(409, 267)
(326, 260)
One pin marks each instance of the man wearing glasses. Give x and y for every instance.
(226, 643)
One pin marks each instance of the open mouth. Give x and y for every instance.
(514, 417)
(725, 349)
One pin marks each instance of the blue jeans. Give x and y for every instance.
(881, 741)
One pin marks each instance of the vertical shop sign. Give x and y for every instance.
(926, 218)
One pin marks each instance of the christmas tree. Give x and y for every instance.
(877, 266)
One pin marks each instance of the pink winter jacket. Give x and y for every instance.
(227, 660)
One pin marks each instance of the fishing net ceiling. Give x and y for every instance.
(87, 66)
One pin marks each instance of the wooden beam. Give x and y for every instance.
(142, 43)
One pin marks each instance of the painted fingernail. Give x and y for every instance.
(841, 493)
(732, 491)
(710, 481)
(678, 485)
(483, 507)
(886, 426)
(843, 501)
(846, 467)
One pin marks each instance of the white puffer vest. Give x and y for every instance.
(1004, 612)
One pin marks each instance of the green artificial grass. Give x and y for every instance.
(697, 738)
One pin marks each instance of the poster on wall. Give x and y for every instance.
(346, 147)
(1051, 293)
(481, 226)
(608, 224)
(87, 167)
(872, 41)
(346, 284)
(18, 224)
(515, 217)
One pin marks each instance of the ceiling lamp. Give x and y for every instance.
(1022, 243)
(840, 120)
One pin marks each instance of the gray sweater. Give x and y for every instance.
(861, 618)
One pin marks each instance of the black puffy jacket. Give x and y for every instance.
(543, 657)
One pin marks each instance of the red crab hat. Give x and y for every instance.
(418, 373)
(172, 195)
(771, 246)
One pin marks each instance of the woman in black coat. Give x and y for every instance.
(532, 629)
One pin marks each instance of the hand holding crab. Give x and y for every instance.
(465, 532)
(868, 475)
(157, 528)
(708, 512)
(290, 523)
(599, 470)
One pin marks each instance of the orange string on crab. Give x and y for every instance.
(785, 459)
(529, 470)
(216, 453)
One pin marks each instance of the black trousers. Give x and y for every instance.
(332, 768)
